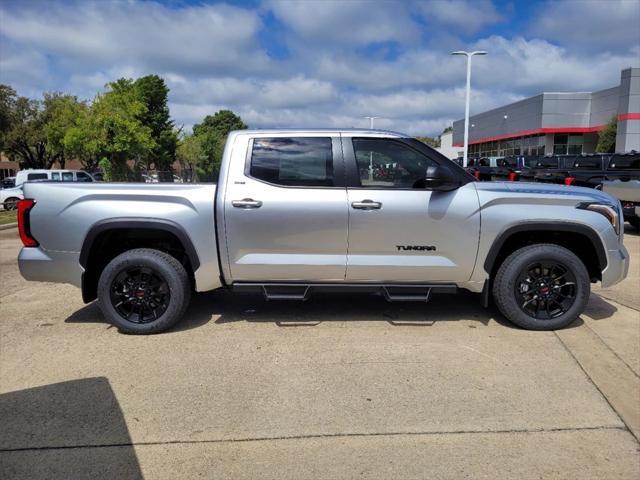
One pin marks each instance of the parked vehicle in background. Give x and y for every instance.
(8, 182)
(628, 192)
(508, 169)
(9, 197)
(295, 211)
(543, 165)
(32, 175)
(481, 168)
(591, 170)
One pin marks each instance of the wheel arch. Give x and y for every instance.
(580, 239)
(139, 231)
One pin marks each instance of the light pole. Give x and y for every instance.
(371, 119)
(466, 107)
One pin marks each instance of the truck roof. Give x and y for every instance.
(351, 131)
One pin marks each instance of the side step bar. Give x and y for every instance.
(301, 291)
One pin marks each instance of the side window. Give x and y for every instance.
(389, 163)
(296, 161)
(37, 176)
(67, 176)
(55, 176)
(83, 177)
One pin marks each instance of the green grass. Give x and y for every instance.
(7, 217)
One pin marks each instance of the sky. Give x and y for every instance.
(280, 63)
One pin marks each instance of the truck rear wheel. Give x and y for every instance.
(542, 287)
(144, 291)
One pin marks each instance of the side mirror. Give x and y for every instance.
(439, 179)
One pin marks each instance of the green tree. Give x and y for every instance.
(60, 114)
(8, 98)
(212, 134)
(431, 141)
(607, 137)
(113, 128)
(153, 93)
(190, 153)
(25, 140)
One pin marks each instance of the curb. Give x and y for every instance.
(8, 226)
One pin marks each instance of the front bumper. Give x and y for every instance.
(37, 264)
(617, 263)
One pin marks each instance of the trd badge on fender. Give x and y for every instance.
(418, 248)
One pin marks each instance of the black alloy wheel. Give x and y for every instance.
(143, 291)
(546, 289)
(140, 294)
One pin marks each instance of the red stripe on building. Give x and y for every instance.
(628, 116)
(535, 131)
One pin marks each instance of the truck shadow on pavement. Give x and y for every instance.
(72, 429)
(224, 307)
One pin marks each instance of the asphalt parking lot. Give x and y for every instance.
(338, 387)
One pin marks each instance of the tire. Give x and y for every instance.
(528, 293)
(11, 203)
(148, 281)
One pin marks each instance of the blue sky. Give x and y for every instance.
(321, 63)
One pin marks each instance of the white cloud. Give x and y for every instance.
(91, 35)
(468, 16)
(590, 25)
(347, 23)
(338, 69)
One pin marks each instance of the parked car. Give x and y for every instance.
(32, 175)
(628, 192)
(591, 170)
(537, 168)
(8, 182)
(292, 215)
(508, 169)
(480, 168)
(9, 197)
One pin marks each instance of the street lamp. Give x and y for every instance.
(466, 108)
(371, 119)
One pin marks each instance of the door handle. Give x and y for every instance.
(246, 203)
(367, 205)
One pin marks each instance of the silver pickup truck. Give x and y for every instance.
(301, 211)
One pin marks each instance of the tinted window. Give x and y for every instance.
(37, 176)
(551, 162)
(55, 176)
(67, 176)
(593, 163)
(301, 161)
(625, 163)
(390, 163)
(83, 177)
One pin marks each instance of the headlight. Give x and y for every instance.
(609, 211)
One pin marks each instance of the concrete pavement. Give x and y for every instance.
(338, 387)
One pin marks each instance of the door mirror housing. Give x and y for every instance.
(439, 179)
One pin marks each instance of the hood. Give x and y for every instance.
(546, 190)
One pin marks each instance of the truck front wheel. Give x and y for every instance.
(144, 291)
(542, 287)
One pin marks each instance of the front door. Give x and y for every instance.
(398, 231)
(285, 209)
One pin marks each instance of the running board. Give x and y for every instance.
(302, 291)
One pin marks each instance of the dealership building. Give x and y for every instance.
(561, 123)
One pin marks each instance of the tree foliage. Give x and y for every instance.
(129, 123)
(153, 92)
(607, 137)
(212, 135)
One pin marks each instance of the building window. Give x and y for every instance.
(568, 143)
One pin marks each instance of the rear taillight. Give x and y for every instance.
(512, 176)
(24, 229)
(477, 174)
(569, 181)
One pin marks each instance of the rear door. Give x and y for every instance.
(398, 231)
(285, 209)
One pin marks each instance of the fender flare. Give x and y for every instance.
(569, 227)
(138, 224)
